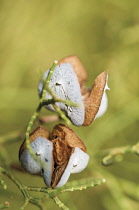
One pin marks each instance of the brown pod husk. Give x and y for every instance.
(38, 132)
(78, 67)
(67, 134)
(64, 140)
(93, 100)
(57, 174)
(61, 154)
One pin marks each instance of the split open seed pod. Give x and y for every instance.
(62, 155)
(69, 154)
(96, 99)
(64, 84)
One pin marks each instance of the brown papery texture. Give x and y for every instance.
(67, 134)
(92, 102)
(38, 132)
(61, 154)
(64, 141)
(62, 151)
(57, 174)
(78, 67)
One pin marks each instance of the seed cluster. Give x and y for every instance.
(62, 151)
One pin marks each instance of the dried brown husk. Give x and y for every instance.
(64, 141)
(67, 134)
(57, 174)
(61, 154)
(78, 67)
(93, 100)
(38, 132)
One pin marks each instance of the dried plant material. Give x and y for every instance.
(57, 174)
(61, 151)
(64, 84)
(65, 141)
(85, 92)
(62, 155)
(77, 66)
(67, 134)
(49, 119)
(77, 162)
(38, 132)
(92, 103)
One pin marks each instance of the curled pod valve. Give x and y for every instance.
(62, 155)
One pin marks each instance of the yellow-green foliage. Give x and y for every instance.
(105, 35)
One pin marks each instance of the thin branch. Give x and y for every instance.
(60, 204)
(55, 99)
(35, 115)
(47, 81)
(112, 153)
(61, 114)
(2, 184)
(78, 187)
(37, 202)
(84, 187)
(25, 204)
(5, 205)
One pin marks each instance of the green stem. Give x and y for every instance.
(84, 187)
(2, 184)
(18, 184)
(5, 205)
(25, 204)
(60, 204)
(54, 192)
(112, 153)
(47, 81)
(30, 124)
(54, 100)
(37, 202)
(36, 113)
(61, 114)
(23, 189)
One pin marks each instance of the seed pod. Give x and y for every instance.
(96, 100)
(67, 134)
(64, 84)
(77, 162)
(60, 156)
(89, 96)
(69, 152)
(77, 66)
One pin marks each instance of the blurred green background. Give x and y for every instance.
(105, 35)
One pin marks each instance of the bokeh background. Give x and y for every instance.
(105, 35)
